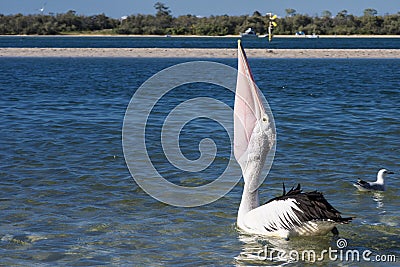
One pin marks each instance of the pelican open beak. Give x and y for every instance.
(249, 108)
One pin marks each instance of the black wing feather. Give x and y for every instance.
(362, 182)
(313, 206)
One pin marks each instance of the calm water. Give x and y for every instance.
(196, 42)
(67, 197)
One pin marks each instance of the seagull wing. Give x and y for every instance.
(362, 182)
(363, 185)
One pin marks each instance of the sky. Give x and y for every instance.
(119, 8)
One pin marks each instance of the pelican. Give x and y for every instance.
(378, 185)
(294, 213)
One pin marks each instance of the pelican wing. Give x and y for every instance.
(293, 211)
(275, 216)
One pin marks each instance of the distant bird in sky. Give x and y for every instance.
(42, 8)
(378, 185)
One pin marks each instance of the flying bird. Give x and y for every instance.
(294, 213)
(42, 8)
(378, 185)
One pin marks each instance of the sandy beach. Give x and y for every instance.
(198, 53)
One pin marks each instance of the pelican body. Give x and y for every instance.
(292, 214)
(378, 185)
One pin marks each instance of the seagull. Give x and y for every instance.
(294, 213)
(379, 185)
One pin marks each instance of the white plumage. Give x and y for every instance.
(293, 213)
(271, 218)
(378, 185)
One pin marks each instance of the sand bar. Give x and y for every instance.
(198, 53)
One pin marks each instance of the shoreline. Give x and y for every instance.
(196, 53)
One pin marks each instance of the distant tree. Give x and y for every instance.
(185, 24)
(164, 23)
(290, 12)
(256, 14)
(326, 14)
(163, 20)
(391, 24)
(342, 13)
(303, 23)
(162, 9)
(372, 24)
(257, 22)
(370, 12)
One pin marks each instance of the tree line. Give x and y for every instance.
(163, 23)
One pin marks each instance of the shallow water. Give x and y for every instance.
(67, 197)
(197, 42)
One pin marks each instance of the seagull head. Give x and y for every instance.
(382, 174)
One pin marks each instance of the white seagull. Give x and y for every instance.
(378, 185)
(294, 213)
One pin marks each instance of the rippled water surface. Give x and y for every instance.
(67, 197)
(197, 42)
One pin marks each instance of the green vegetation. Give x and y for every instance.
(163, 23)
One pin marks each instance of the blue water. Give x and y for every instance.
(67, 197)
(197, 42)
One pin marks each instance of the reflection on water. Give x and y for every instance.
(385, 218)
(378, 198)
(259, 250)
(374, 204)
